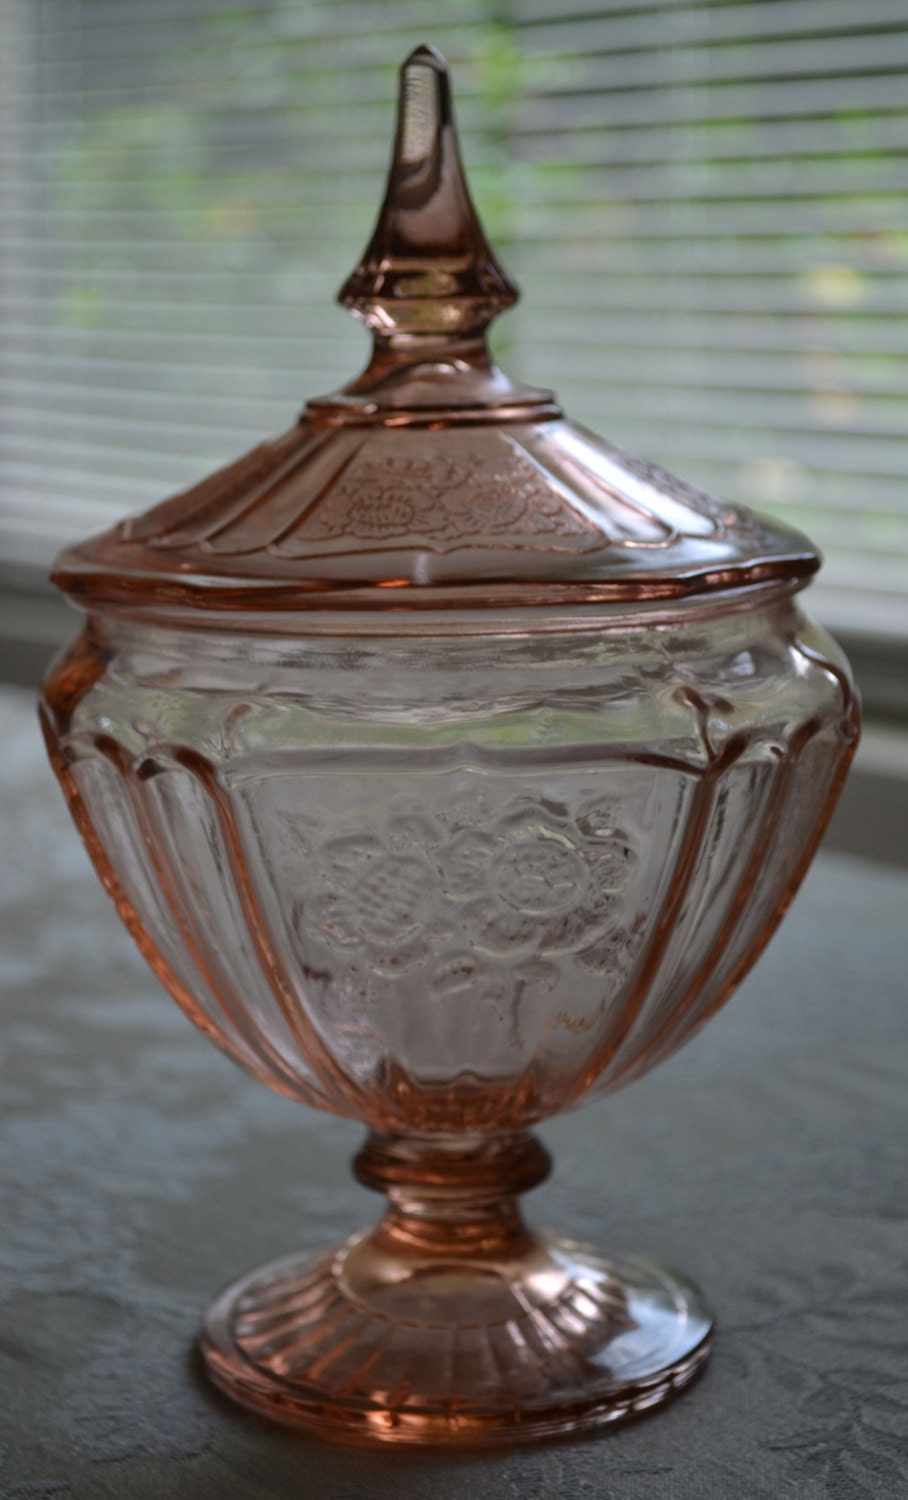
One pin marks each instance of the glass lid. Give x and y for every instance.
(432, 480)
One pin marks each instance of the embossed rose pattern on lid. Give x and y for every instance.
(445, 499)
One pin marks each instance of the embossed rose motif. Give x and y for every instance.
(372, 896)
(445, 498)
(382, 513)
(540, 876)
(470, 890)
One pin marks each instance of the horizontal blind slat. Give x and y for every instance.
(703, 103)
(705, 22)
(75, 377)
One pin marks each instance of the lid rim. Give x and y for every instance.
(90, 590)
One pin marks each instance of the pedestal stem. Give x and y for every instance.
(451, 1196)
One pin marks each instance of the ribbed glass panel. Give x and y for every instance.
(705, 205)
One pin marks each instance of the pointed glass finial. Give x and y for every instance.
(428, 267)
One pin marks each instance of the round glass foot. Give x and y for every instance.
(373, 1343)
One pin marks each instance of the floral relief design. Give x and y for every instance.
(444, 499)
(480, 899)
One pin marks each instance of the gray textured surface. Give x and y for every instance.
(139, 1171)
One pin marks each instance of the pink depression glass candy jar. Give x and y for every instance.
(450, 768)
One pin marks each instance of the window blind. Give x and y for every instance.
(704, 204)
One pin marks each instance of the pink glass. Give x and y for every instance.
(450, 768)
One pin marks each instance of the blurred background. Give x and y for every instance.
(704, 204)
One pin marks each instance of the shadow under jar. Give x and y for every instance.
(450, 768)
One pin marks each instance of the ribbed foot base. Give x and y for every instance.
(365, 1344)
